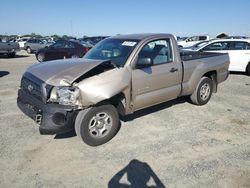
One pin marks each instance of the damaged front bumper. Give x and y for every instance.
(52, 118)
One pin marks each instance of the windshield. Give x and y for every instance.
(116, 50)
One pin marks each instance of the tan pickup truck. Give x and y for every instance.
(119, 76)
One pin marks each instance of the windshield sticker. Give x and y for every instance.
(128, 43)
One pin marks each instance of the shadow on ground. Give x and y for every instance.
(238, 73)
(136, 174)
(155, 108)
(4, 73)
(69, 134)
(16, 56)
(135, 115)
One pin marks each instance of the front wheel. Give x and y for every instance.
(97, 125)
(40, 57)
(203, 91)
(248, 69)
(29, 51)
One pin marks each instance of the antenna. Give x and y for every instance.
(71, 27)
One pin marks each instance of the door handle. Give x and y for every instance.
(173, 70)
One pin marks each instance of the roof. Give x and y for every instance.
(141, 36)
(237, 40)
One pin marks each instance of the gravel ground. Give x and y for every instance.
(175, 144)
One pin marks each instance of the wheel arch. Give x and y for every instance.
(213, 76)
(118, 101)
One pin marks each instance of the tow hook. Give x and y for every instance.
(38, 119)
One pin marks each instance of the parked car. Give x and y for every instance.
(22, 41)
(119, 75)
(62, 49)
(196, 46)
(192, 41)
(236, 37)
(33, 45)
(93, 40)
(238, 50)
(86, 44)
(9, 48)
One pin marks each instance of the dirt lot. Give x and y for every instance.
(175, 144)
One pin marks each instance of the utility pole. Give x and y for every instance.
(71, 27)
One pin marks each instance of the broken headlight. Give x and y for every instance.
(65, 95)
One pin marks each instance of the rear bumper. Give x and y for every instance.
(52, 118)
(9, 51)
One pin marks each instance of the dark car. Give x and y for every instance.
(62, 49)
(93, 40)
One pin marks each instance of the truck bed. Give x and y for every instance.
(187, 56)
(196, 64)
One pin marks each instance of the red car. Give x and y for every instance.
(62, 49)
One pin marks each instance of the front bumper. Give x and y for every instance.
(52, 118)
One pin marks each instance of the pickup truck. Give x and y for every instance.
(118, 76)
(9, 48)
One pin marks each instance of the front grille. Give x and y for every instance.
(32, 86)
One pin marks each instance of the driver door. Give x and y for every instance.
(161, 80)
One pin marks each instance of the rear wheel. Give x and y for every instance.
(28, 50)
(40, 57)
(97, 125)
(203, 91)
(248, 69)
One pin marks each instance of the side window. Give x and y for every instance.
(202, 38)
(248, 46)
(39, 41)
(59, 44)
(68, 45)
(217, 46)
(240, 46)
(158, 51)
(191, 39)
(31, 41)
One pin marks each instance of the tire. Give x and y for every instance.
(203, 91)
(74, 56)
(248, 69)
(28, 49)
(97, 125)
(11, 55)
(40, 57)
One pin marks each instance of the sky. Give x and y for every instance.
(111, 17)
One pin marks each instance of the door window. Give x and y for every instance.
(217, 46)
(158, 51)
(59, 44)
(240, 46)
(68, 45)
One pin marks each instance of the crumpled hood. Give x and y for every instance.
(53, 72)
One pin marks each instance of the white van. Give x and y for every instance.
(192, 41)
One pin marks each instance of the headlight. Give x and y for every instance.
(65, 95)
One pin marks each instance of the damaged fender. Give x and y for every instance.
(104, 86)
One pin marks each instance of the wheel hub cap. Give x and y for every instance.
(205, 91)
(100, 125)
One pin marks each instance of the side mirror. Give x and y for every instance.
(143, 63)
